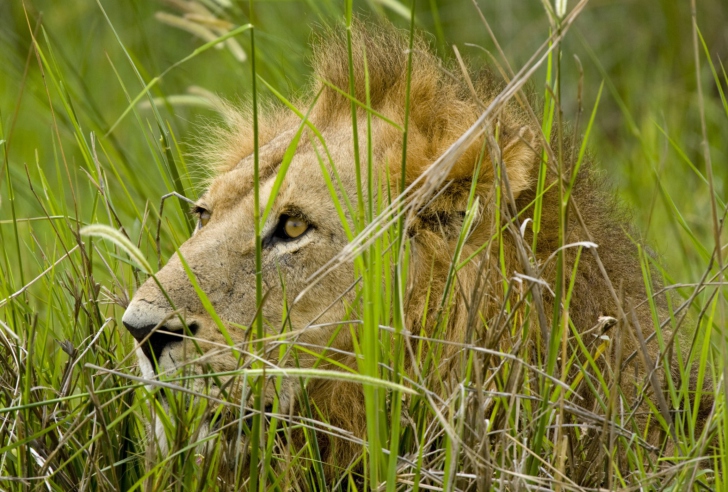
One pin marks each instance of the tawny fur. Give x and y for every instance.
(442, 107)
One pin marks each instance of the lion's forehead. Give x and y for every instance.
(303, 178)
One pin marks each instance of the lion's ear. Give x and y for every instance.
(519, 152)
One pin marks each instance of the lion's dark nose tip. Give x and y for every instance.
(141, 317)
(138, 332)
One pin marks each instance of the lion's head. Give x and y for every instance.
(302, 230)
(204, 300)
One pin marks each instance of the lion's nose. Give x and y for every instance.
(141, 318)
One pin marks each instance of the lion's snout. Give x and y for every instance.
(142, 317)
(153, 327)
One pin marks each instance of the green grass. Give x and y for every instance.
(99, 107)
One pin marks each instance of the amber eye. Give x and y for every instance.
(294, 227)
(289, 228)
(203, 217)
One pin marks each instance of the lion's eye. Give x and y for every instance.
(294, 227)
(203, 217)
(289, 229)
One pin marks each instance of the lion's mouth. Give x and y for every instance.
(160, 339)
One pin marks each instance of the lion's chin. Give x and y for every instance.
(227, 427)
(210, 425)
(145, 366)
(203, 432)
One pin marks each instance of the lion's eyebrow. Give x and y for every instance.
(201, 199)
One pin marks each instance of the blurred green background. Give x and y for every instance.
(647, 132)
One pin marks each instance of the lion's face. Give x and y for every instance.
(301, 233)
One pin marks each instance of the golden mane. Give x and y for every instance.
(442, 105)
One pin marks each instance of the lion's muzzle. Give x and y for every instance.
(154, 328)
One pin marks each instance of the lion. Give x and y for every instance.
(490, 187)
